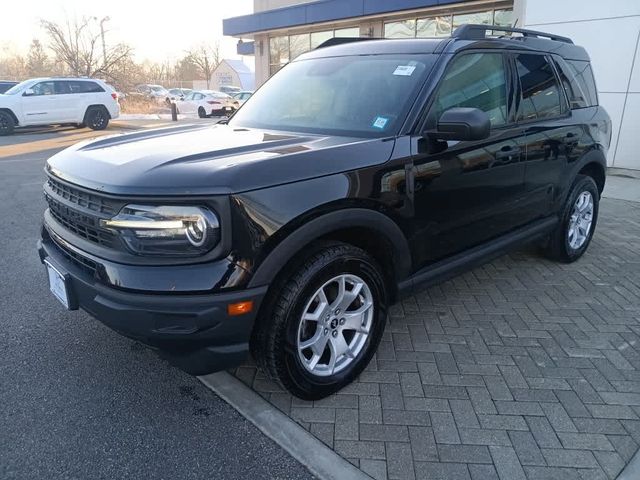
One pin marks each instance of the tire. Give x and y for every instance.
(202, 113)
(280, 338)
(7, 124)
(96, 118)
(571, 238)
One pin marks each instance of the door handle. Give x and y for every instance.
(507, 155)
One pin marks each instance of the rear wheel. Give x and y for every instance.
(572, 236)
(325, 322)
(202, 113)
(7, 123)
(97, 118)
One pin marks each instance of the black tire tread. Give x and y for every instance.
(93, 109)
(12, 124)
(268, 338)
(555, 248)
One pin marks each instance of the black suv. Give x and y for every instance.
(360, 171)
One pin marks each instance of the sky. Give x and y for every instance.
(157, 30)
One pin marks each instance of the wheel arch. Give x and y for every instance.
(95, 105)
(368, 229)
(596, 170)
(594, 164)
(10, 112)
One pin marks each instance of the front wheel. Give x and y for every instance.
(7, 124)
(324, 323)
(572, 236)
(202, 113)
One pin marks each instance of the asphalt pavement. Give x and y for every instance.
(78, 400)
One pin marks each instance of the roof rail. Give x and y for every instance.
(341, 40)
(479, 32)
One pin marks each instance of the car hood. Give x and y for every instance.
(205, 160)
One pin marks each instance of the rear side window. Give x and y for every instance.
(540, 89)
(84, 87)
(475, 80)
(577, 79)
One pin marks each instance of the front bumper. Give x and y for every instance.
(192, 331)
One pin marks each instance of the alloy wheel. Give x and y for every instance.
(335, 325)
(580, 220)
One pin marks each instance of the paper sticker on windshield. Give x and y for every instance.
(380, 122)
(404, 70)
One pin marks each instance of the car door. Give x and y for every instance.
(68, 98)
(552, 138)
(188, 104)
(199, 100)
(466, 193)
(41, 104)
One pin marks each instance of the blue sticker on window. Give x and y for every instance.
(380, 122)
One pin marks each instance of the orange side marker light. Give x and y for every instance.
(240, 308)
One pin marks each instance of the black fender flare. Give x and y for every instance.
(326, 224)
(595, 156)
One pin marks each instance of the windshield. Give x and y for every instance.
(157, 88)
(17, 88)
(365, 95)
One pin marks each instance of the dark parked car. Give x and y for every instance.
(359, 172)
(6, 85)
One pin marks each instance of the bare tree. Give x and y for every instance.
(13, 68)
(38, 64)
(78, 45)
(206, 59)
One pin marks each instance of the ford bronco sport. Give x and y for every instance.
(360, 171)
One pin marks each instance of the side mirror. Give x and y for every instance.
(463, 124)
(28, 92)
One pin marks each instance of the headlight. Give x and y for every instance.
(166, 230)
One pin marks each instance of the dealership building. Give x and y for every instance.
(280, 30)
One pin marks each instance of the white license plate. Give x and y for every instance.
(227, 108)
(57, 284)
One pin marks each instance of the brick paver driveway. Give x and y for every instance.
(522, 368)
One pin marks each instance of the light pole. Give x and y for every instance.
(104, 46)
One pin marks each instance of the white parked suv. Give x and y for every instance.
(84, 102)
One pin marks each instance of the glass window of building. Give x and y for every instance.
(318, 38)
(443, 25)
(403, 29)
(278, 53)
(503, 18)
(478, 18)
(433, 27)
(298, 44)
(348, 32)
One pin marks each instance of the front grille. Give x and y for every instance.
(80, 212)
(89, 201)
(85, 264)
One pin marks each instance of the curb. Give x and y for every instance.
(319, 459)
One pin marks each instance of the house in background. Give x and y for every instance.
(229, 72)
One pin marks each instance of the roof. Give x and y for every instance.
(447, 45)
(321, 11)
(245, 73)
(238, 65)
